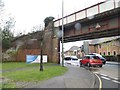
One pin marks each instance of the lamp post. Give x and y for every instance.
(41, 52)
(62, 33)
(41, 39)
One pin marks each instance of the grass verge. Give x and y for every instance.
(30, 74)
(14, 65)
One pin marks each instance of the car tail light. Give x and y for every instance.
(91, 60)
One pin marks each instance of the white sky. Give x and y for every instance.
(29, 13)
(67, 46)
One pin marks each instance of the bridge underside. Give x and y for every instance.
(110, 18)
(94, 35)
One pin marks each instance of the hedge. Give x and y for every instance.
(112, 58)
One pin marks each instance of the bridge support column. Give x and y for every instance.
(51, 45)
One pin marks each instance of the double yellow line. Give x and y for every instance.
(100, 81)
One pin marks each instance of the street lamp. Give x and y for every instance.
(62, 33)
(41, 44)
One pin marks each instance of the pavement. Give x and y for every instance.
(75, 77)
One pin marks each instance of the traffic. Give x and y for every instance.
(90, 60)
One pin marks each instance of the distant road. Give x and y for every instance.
(108, 75)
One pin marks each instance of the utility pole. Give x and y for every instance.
(62, 33)
(41, 44)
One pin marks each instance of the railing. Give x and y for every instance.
(89, 12)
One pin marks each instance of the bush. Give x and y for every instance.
(111, 58)
(9, 55)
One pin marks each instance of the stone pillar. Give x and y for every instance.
(51, 44)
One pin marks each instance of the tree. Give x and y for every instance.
(7, 35)
(47, 20)
(1, 6)
(1, 13)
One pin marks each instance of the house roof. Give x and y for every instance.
(102, 40)
(74, 48)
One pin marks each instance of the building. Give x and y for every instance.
(74, 51)
(105, 46)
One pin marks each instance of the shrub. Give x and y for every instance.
(110, 58)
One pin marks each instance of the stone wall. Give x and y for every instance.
(21, 54)
(28, 47)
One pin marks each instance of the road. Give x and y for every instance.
(107, 76)
(75, 77)
(82, 77)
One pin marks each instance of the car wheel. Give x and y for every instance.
(105, 62)
(80, 64)
(88, 64)
(100, 65)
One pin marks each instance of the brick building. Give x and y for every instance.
(106, 46)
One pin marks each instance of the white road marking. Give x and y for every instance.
(108, 78)
(115, 78)
(95, 72)
(103, 75)
(116, 81)
(105, 78)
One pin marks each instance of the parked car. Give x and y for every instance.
(71, 60)
(91, 61)
(67, 60)
(100, 56)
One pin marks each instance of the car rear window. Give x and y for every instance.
(95, 57)
(75, 59)
(87, 57)
(67, 59)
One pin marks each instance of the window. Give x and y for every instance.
(67, 59)
(104, 53)
(108, 53)
(74, 59)
(95, 57)
(75, 53)
(99, 46)
(88, 57)
(114, 53)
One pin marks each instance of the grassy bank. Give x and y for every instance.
(31, 74)
(14, 65)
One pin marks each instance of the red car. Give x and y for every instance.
(91, 60)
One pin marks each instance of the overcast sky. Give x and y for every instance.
(29, 13)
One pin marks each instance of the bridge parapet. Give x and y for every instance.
(88, 12)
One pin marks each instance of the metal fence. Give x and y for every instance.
(89, 12)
